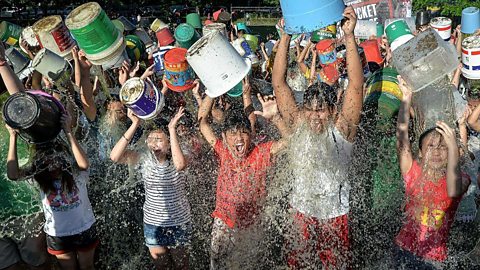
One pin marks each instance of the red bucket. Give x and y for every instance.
(178, 73)
(372, 51)
(164, 37)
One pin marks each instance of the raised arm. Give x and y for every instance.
(119, 153)
(78, 153)
(353, 101)
(12, 82)
(301, 57)
(82, 80)
(404, 149)
(247, 103)
(473, 119)
(178, 157)
(13, 170)
(205, 127)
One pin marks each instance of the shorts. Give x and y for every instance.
(83, 242)
(31, 250)
(170, 236)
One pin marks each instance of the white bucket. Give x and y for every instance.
(51, 65)
(144, 37)
(443, 26)
(157, 25)
(365, 29)
(111, 57)
(215, 26)
(54, 35)
(471, 57)
(29, 36)
(400, 41)
(214, 50)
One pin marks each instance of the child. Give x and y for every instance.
(433, 188)
(69, 225)
(241, 184)
(167, 225)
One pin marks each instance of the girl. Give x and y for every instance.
(69, 225)
(166, 209)
(433, 188)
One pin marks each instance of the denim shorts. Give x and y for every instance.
(173, 236)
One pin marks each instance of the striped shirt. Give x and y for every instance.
(166, 202)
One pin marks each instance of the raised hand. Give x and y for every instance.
(174, 121)
(12, 132)
(123, 72)
(132, 116)
(269, 107)
(350, 20)
(406, 90)
(66, 121)
(148, 72)
(448, 135)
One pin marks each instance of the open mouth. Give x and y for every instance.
(239, 147)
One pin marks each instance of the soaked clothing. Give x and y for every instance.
(241, 184)
(166, 202)
(429, 213)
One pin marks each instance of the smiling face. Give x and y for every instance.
(158, 143)
(434, 151)
(238, 141)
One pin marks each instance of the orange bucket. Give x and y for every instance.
(178, 73)
(164, 37)
(372, 51)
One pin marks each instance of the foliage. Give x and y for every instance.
(448, 7)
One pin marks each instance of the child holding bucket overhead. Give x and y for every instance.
(434, 187)
(167, 222)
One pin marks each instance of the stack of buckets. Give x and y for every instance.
(471, 45)
(10, 33)
(163, 34)
(96, 35)
(398, 34)
(52, 34)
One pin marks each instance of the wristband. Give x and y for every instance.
(249, 109)
(123, 136)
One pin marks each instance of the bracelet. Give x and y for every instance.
(123, 136)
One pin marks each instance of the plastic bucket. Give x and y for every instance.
(119, 25)
(135, 47)
(51, 65)
(380, 30)
(144, 37)
(158, 59)
(29, 36)
(396, 30)
(92, 29)
(214, 50)
(178, 73)
(443, 26)
(10, 33)
(186, 35)
(127, 24)
(329, 32)
(157, 25)
(372, 51)
(303, 16)
(400, 41)
(224, 17)
(236, 91)
(35, 114)
(221, 27)
(243, 26)
(384, 93)
(471, 57)
(142, 97)
(365, 29)
(164, 37)
(112, 55)
(470, 20)
(252, 41)
(116, 59)
(194, 20)
(326, 51)
(17, 60)
(54, 35)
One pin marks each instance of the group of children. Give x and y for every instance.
(315, 137)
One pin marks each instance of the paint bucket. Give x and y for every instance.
(443, 26)
(243, 26)
(303, 16)
(214, 50)
(54, 35)
(134, 47)
(157, 25)
(17, 60)
(119, 25)
(470, 20)
(10, 33)
(380, 30)
(252, 41)
(425, 59)
(397, 29)
(158, 59)
(51, 65)
(29, 36)
(221, 27)
(144, 37)
(422, 18)
(409, 20)
(236, 91)
(365, 29)
(329, 32)
(127, 24)
(164, 37)
(178, 73)
(383, 93)
(471, 57)
(326, 51)
(142, 97)
(372, 51)
(194, 20)
(186, 35)
(35, 114)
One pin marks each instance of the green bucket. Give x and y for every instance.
(186, 35)
(397, 29)
(10, 33)
(236, 91)
(243, 26)
(194, 20)
(91, 28)
(329, 32)
(252, 41)
(135, 47)
(380, 30)
(119, 25)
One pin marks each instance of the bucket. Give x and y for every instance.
(400, 41)
(93, 30)
(329, 32)
(119, 25)
(243, 26)
(365, 29)
(144, 37)
(17, 60)
(224, 17)
(127, 24)
(35, 114)
(221, 27)
(142, 97)
(303, 16)
(380, 30)
(10, 33)
(158, 59)
(372, 51)
(443, 26)
(29, 36)
(326, 51)
(157, 25)
(194, 20)
(214, 50)
(54, 35)
(178, 73)
(135, 48)
(116, 59)
(470, 20)
(384, 93)
(409, 20)
(51, 65)
(164, 37)
(471, 57)
(186, 35)
(364, 62)
(252, 41)
(422, 18)
(434, 11)
(396, 30)
(236, 91)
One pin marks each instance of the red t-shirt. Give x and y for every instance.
(241, 184)
(429, 213)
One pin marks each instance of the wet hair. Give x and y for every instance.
(423, 136)
(158, 124)
(235, 120)
(324, 93)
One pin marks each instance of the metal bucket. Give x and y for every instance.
(471, 57)
(142, 97)
(443, 26)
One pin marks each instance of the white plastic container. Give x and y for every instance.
(443, 26)
(215, 26)
(54, 35)
(51, 65)
(365, 29)
(214, 50)
(400, 41)
(471, 57)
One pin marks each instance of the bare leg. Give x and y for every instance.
(68, 261)
(85, 259)
(161, 257)
(180, 258)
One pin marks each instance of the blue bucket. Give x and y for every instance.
(236, 91)
(303, 16)
(243, 26)
(470, 20)
(158, 58)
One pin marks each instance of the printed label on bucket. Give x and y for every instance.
(180, 78)
(62, 38)
(158, 58)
